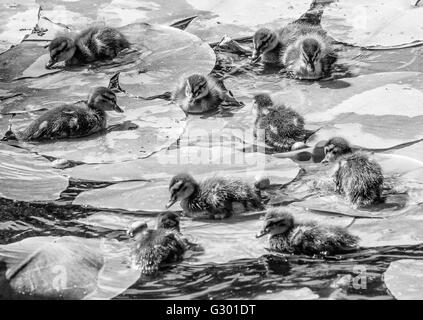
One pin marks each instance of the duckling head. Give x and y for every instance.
(276, 221)
(181, 187)
(61, 49)
(196, 87)
(168, 220)
(335, 148)
(264, 40)
(311, 53)
(136, 228)
(261, 104)
(104, 99)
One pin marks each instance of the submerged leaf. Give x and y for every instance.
(28, 177)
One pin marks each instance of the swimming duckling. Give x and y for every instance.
(92, 44)
(72, 121)
(198, 94)
(309, 53)
(154, 248)
(288, 236)
(216, 197)
(357, 177)
(267, 46)
(282, 127)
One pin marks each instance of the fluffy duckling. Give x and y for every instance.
(357, 177)
(267, 46)
(154, 248)
(309, 53)
(72, 121)
(288, 236)
(198, 94)
(216, 197)
(282, 127)
(92, 44)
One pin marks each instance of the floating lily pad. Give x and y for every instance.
(398, 199)
(197, 160)
(28, 177)
(68, 267)
(18, 18)
(242, 18)
(404, 279)
(153, 196)
(145, 127)
(376, 23)
(296, 294)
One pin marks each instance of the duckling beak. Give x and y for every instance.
(117, 108)
(256, 56)
(171, 203)
(262, 233)
(50, 63)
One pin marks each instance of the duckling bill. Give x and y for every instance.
(215, 197)
(73, 121)
(92, 44)
(357, 177)
(286, 235)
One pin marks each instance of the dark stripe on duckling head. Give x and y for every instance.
(263, 100)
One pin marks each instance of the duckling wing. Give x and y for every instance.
(64, 122)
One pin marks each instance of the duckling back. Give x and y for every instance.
(98, 43)
(220, 198)
(67, 121)
(282, 127)
(157, 248)
(359, 179)
(311, 239)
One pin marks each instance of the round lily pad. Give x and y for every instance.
(68, 268)
(404, 279)
(28, 177)
(376, 23)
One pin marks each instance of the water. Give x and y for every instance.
(110, 181)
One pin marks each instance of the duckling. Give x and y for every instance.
(309, 53)
(357, 177)
(217, 197)
(198, 94)
(72, 121)
(92, 44)
(267, 46)
(154, 248)
(288, 236)
(282, 126)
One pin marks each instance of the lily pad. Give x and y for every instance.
(18, 18)
(68, 268)
(219, 17)
(398, 199)
(404, 279)
(296, 294)
(28, 177)
(376, 23)
(152, 196)
(196, 160)
(145, 127)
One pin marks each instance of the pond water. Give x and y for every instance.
(94, 188)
